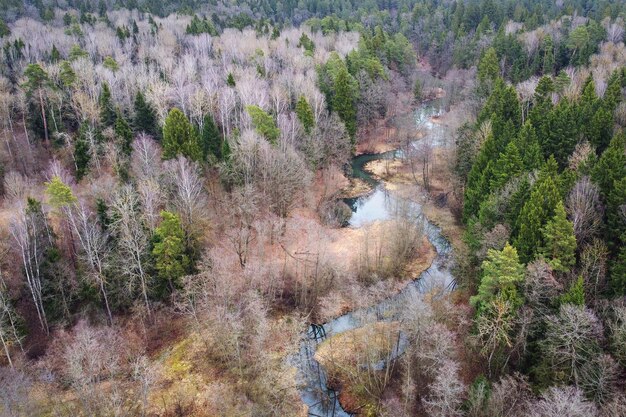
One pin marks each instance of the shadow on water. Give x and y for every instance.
(377, 205)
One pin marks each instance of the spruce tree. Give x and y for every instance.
(488, 69)
(107, 110)
(537, 211)
(305, 114)
(230, 80)
(211, 138)
(170, 260)
(180, 137)
(124, 135)
(529, 147)
(509, 165)
(82, 154)
(611, 166)
(145, 119)
(559, 241)
(344, 100)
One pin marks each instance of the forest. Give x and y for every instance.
(313, 208)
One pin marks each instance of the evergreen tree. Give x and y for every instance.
(548, 56)
(124, 135)
(537, 211)
(107, 109)
(211, 138)
(59, 194)
(264, 124)
(82, 154)
(576, 293)
(37, 80)
(145, 119)
(230, 80)
(618, 270)
(55, 55)
(488, 69)
(170, 259)
(502, 273)
(559, 247)
(529, 148)
(344, 100)
(4, 29)
(180, 137)
(611, 166)
(560, 134)
(509, 165)
(305, 114)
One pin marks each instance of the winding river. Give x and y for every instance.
(377, 205)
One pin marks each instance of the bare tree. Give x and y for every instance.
(571, 341)
(446, 392)
(31, 233)
(559, 402)
(188, 195)
(132, 239)
(585, 209)
(96, 249)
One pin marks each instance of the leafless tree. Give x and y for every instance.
(146, 374)
(15, 393)
(585, 209)
(31, 233)
(599, 378)
(132, 239)
(96, 249)
(571, 341)
(187, 191)
(559, 402)
(446, 392)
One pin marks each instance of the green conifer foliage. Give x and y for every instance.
(264, 124)
(537, 211)
(145, 119)
(305, 114)
(180, 137)
(107, 109)
(170, 259)
(502, 273)
(559, 247)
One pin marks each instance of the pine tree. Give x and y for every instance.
(180, 137)
(171, 261)
(559, 247)
(124, 135)
(502, 273)
(305, 114)
(107, 110)
(145, 119)
(59, 194)
(344, 100)
(211, 138)
(537, 211)
(37, 80)
(264, 124)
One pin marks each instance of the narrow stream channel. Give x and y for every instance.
(375, 206)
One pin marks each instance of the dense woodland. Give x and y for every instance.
(171, 183)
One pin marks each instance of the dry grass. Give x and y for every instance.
(345, 358)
